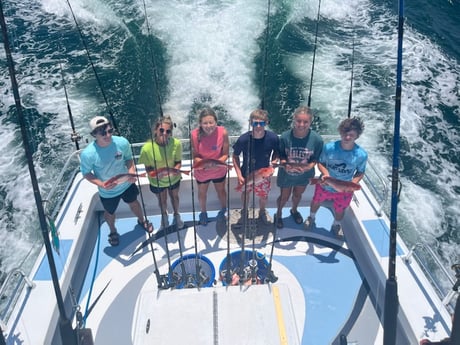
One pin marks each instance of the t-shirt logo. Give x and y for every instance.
(118, 155)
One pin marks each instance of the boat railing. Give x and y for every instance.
(63, 182)
(55, 197)
(12, 287)
(441, 279)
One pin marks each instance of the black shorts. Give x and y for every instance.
(158, 190)
(128, 196)
(216, 180)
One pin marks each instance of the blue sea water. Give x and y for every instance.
(151, 57)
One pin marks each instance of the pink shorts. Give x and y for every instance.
(261, 189)
(341, 200)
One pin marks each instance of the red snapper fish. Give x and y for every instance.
(166, 171)
(256, 177)
(208, 164)
(121, 178)
(339, 185)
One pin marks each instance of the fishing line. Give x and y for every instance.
(170, 192)
(351, 79)
(253, 227)
(264, 67)
(314, 54)
(195, 238)
(154, 65)
(74, 136)
(228, 277)
(391, 305)
(245, 208)
(66, 331)
(163, 222)
(109, 110)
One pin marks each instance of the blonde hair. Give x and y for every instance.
(303, 109)
(259, 114)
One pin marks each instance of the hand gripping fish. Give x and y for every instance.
(256, 177)
(207, 164)
(164, 172)
(120, 178)
(339, 185)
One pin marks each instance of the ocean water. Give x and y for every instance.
(144, 58)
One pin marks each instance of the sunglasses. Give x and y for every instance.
(162, 130)
(104, 131)
(258, 123)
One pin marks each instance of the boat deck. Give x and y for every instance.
(319, 295)
(325, 287)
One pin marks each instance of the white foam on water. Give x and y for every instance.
(430, 81)
(211, 47)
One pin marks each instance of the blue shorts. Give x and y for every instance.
(158, 190)
(128, 196)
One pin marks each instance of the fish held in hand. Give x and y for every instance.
(121, 178)
(164, 172)
(339, 185)
(208, 164)
(256, 177)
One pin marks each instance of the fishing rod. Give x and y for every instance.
(74, 136)
(179, 242)
(246, 213)
(162, 210)
(391, 305)
(195, 238)
(253, 227)
(314, 54)
(68, 334)
(109, 110)
(228, 276)
(351, 79)
(264, 68)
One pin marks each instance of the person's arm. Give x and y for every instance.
(196, 156)
(94, 180)
(357, 177)
(225, 147)
(323, 170)
(237, 167)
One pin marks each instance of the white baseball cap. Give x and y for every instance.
(97, 122)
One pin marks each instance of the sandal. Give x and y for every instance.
(146, 225)
(279, 222)
(297, 217)
(204, 218)
(114, 239)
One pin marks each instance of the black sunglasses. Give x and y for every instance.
(104, 131)
(162, 130)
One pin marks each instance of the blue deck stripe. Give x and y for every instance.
(380, 236)
(43, 272)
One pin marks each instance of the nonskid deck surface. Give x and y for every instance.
(319, 291)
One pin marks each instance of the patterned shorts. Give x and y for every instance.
(341, 199)
(261, 189)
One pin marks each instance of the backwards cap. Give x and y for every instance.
(97, 122)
